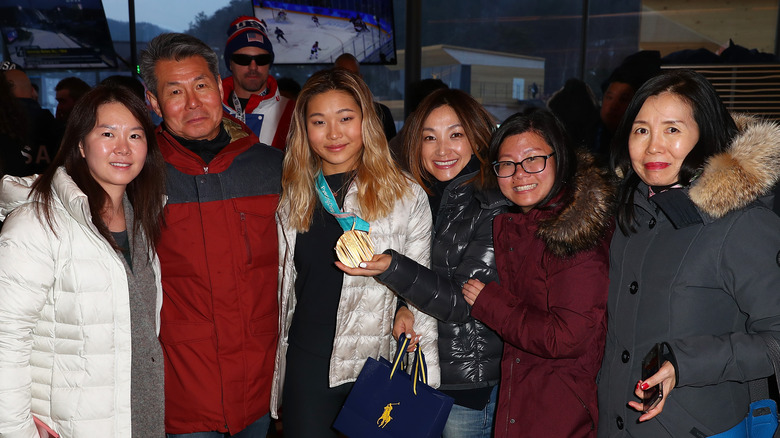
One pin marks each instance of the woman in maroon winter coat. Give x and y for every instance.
(551, 255)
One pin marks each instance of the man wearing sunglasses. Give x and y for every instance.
(251, 93)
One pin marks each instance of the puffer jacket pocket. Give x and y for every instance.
(258, 228)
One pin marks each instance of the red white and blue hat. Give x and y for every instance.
(246, 31)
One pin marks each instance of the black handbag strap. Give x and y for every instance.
(759, 389)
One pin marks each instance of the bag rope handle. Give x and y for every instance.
(420, 367)
(420, 370)
(403, 342)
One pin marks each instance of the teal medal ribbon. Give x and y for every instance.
(348, 221)
(354, 246)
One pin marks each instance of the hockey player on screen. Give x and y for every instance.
(280, 35)
(316, 20)
(314, 50)
(358, 24)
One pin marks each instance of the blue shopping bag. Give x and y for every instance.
(761, 422)
(387, 402)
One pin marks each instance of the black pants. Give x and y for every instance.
(309, 405)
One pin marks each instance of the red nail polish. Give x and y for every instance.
(645, 386)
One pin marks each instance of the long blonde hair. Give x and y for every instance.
(380, 182)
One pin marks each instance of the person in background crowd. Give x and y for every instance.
(447, 144)
(219, 321)
(80, 281)
(617, 95)
(13, 131)
(130, 82)
(251, 93)
(69, 91)
(288, 87)
(137, 87)
(331, 323)
(349, 62)
(694, 266)
(35, 92)
(575, 106)
(42, 140)
(551, 255)
(618, 89)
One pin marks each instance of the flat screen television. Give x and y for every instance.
(318, 31)
(56, 34)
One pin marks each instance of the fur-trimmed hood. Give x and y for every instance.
(582, 223)
(737, 177)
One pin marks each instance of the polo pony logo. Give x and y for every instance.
(386, 418)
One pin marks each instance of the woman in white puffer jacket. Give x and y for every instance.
(337, 164)
(77, 271)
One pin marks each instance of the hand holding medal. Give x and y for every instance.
(353, 247)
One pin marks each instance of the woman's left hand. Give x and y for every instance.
(666, 376)
(377, 265)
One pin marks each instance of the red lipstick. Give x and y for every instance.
(656, 165)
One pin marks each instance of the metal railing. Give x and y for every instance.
(753, 88)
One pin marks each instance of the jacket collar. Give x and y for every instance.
(489, 198)
(241, 139)
(679, 208)
(585, 220)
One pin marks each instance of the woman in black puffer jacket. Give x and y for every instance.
(446, 152)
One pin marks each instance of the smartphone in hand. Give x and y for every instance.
(650, 365)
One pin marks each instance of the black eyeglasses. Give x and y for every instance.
(535, 164)
(262, 59)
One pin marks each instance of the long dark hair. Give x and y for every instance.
(716, 130)
(145, 192)
(477, 125)
(543, 123)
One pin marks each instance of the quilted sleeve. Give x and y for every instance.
(26, 278)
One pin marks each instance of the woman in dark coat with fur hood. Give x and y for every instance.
(551, 255)
(694, 266)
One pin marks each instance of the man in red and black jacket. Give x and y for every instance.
(218, 249)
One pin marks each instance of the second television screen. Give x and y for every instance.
(318, 31)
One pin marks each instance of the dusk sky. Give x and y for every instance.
(174, 15)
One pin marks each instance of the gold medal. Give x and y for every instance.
(353, 247)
